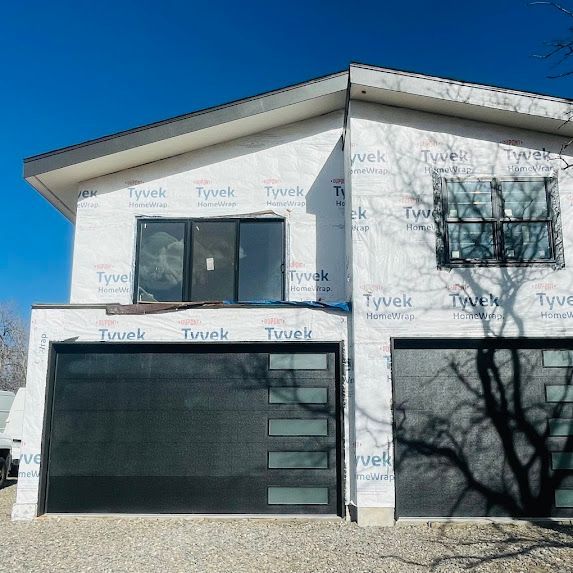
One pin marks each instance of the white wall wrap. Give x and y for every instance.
(397, 289)
(295, 171)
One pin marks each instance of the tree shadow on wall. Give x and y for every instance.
(477, 437)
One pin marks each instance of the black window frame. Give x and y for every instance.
(188, 252)
(498, 219)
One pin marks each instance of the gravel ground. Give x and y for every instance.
(309, 546)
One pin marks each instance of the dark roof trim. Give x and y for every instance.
(184, 124)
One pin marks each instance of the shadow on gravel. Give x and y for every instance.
(487, 549)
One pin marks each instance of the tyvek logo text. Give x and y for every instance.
(216, 197)
(475, 307)
(555, 306)
(389, 307)
(109, 335)
(284, 334)
(87, 199)
(193, 334)
(285, 196)
(147, 198)
(369, 163)
(450, 161)
(359, 218)
(309, 282)
(420, 219)
(524, 161)
(113, 283)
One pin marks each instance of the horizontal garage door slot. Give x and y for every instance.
(562, 460)
(298, 495)
(298, 460)
(559, 393)
(564, 498)
(298, 362)
(561, 427)
(298, 395)
(298, 427)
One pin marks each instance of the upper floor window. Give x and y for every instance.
(512, 221)
(209, 259)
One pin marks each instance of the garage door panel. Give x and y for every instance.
(146, 358)
(472, 440)
(144, 495)
(195, 422)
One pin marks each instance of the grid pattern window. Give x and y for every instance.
(498, 221)
(209, 260)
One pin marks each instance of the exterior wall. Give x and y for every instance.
(83, 325)
(294, 171)
(397, 289)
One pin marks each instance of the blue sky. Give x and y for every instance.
(71, 71)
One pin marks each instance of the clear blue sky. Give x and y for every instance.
(75, 70)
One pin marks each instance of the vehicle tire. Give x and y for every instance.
(3, 472)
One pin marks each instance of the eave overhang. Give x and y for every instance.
(56, 174)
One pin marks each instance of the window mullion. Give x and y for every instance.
(237, 253)
(188, 254)
(498, 215)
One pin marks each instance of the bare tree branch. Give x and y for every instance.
(13, 349)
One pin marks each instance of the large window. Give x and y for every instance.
(210, 259)
(498, 222)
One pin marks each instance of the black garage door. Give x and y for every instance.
(483, 428)
(187, 428)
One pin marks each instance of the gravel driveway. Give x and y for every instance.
(309, 546)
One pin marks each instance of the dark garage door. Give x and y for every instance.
(193, 429)
(483, 428)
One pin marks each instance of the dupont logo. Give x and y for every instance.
(190, 322)
(107, 322)
(215, 197)
(274, 333)
(449, 162)
(147, 197)
(528, 162)
(475, 307)
(278, 195)
(203, 335)
(369, 163)
(555, 307)
(310, 282)
(113, 283)
(514, 142)
(107, 335)
(392, 308)
(419, 219)
(87, 199)
(359, 220)
(273, 321)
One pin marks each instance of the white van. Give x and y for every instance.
(14, 425)
(6, 399)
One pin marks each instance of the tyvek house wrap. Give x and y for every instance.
(396, 156)
(83, 325)
(295, 172)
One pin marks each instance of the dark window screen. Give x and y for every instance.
(260, 261)
(213, 262)
(161, 261)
